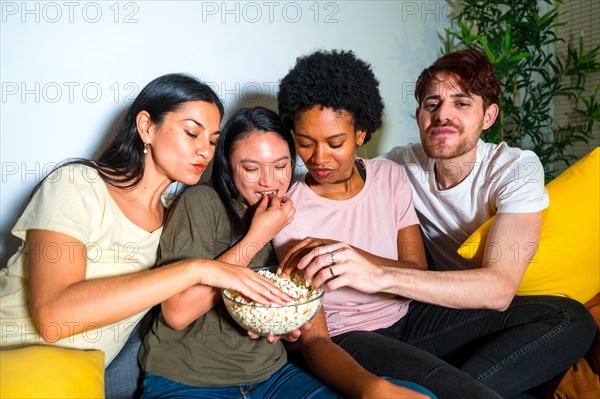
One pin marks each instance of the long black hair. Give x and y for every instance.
(121, 164)
(242, 123)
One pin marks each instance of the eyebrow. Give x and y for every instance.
(456, 95)
(193, 120)
(218, 132)
(246, 160)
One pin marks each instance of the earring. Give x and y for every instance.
(364, 148)
(146, 145)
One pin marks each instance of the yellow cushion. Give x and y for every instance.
(567, 262)
(42, 371)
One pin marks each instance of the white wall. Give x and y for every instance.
(69, 68)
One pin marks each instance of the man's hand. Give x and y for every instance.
(332, 265)
(289, 263)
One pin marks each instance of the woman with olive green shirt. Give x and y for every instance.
(194, 348)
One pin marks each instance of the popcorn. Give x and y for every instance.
(274, 318)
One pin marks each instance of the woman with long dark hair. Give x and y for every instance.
(91, 229)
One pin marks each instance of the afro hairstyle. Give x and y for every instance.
(332, 79)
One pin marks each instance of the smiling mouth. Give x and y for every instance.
(261, 194)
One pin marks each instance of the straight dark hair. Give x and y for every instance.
(121, 164)
(243, 123)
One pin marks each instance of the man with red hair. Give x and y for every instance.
(459, 182)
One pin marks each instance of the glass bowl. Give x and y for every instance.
(277, 319)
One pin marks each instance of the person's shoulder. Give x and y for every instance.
(506, 165)
(383, 164)
(200, 191)
(388, 175)
(296, 188)
(502, 157)
(74, 177)
(71, 200)
(200, 198)
(197, 202)
(504, 151)
(410, 153)
(74, 172)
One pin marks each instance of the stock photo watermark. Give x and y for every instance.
(249, 92)
(253, 12)
(491, 171)
(93, 252)
(121, 92)
(52, 12)
(68, 92)
(35, 172)
(425, 11)
(90, 332)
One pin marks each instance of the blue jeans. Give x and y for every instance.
(289, 382)
(123, 375)
(535, 339)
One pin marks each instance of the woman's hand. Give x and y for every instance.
(244, 280)
(291, 337)
(270, 216)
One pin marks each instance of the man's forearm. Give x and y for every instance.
(461, 289)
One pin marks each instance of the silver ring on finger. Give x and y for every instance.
(331, 271)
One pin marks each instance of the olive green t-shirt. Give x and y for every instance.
(213, 350)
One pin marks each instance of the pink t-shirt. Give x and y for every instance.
(369, 221)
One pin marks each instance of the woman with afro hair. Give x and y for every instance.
(331, 101)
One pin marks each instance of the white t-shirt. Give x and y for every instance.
(503, 180)
(370, 221)
(75, 201)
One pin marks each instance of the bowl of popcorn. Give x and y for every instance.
(277, 319)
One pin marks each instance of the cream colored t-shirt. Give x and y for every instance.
(75, 201)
